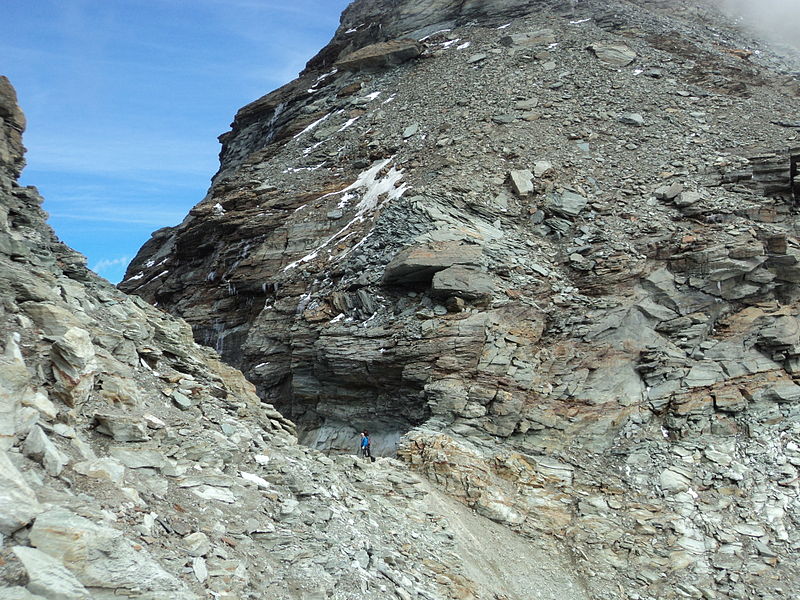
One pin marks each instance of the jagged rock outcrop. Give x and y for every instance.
(134, 463)
(525, 261)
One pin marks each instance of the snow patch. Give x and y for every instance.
(463, 46)
(218, 209)
(433, 34)
(579, 22)
(373, 189)
(349, 122)
(505, 26)
(312, 126)
(260, 482)
(310, 149)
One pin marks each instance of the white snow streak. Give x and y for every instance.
(373, 189)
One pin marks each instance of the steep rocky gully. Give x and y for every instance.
(546, 251)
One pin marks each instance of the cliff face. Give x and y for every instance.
(133, 463)
(548, 255)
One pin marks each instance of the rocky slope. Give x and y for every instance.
(545, 250)
(133, 463)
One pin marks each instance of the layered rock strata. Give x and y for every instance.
(519, 258)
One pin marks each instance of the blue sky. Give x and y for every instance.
(125, 100)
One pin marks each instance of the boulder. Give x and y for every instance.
(675, 479)
(138, 458)
(566, 204)
(542, 167)
(669, 192)
(13, 383)
(101, 557)
(19, 593)
(38, 447)
(464, 282)
(730, 400)
(531, 38)
(101, 468)
(634, 119)
(381, 55)
(782, 393)
(52, 319)
(419, 263)
(197, 544)
(18, 504)
(47, 577)
(618, 55)
(74, 366)
(123, 428)
(521, 182)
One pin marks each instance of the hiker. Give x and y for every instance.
(365, 444)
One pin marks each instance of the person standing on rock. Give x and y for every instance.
(365, 451)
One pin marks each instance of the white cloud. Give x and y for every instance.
(107, 263)
(777, 19)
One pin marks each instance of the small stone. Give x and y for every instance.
(668, 192)
(618, 55)
(634, 119)
(410, 131)
(521, 182)
(123, 428)
(526, 104)
(38, 447)
(200, 569)
(476, 58)
(504, 119)
(181, 401)
(541, 167)
(197, 544)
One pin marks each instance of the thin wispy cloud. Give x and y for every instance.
(107, 263)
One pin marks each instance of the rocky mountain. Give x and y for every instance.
(134, 463)
(547, 251)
